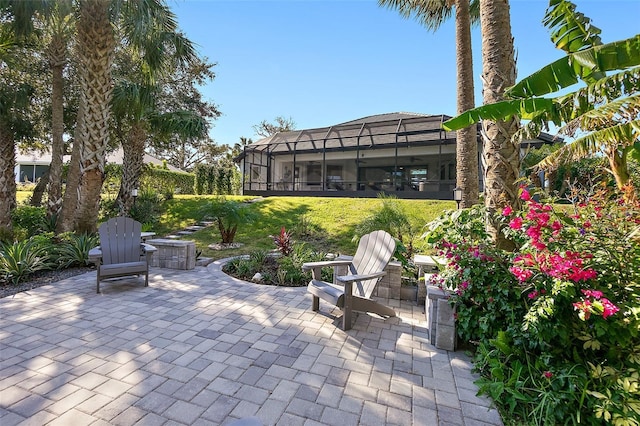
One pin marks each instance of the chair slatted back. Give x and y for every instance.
(120, 240)
(373, 255)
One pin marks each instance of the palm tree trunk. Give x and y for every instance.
(7, 179)
(501, 156)
(132, 163)
(38, 191)
(96, 44)
(66, 217)
(466, 139)
(56, 53)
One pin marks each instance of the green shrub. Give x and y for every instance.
(228, 215)
(147, 208)
(74, 249)
(486, 295)
(278, 270)
(564, 343)
(30, 219)
(391, 217)
(22, 258)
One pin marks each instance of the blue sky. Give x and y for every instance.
(323, 62)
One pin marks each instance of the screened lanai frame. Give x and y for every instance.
(402, 154)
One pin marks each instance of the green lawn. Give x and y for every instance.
(328, 223)
(331, 221)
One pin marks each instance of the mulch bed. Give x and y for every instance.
(39, 279)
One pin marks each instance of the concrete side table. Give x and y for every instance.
(173, 254)
(440, 318)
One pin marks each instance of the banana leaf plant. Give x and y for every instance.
(605, 113)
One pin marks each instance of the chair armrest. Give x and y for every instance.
(323, 264)
(364, 277)
(95, 255)
(148, 248)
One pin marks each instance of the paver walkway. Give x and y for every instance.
(199, 347)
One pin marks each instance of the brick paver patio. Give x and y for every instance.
(198, 347)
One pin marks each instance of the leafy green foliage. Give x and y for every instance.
(604, 120)
(228, 215)
(20, 259)
(147, 207)
(392, 217)
(214, 179)
(486, 296)
(278, 270)
(28, 218)
(74, 249)
(558, 321)
(166, 181)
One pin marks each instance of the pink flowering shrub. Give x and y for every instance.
(568, 347)
(486, 295)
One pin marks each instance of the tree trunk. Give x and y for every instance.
(56, 54)
(466, 139)
(38, 191)
(7, 179)
(618, 164)
(66, 217)
(501, 156)
(133, 151)
(96, 45)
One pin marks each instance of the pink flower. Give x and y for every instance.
(507, 211)
(608, 308)
(521, 274)
(587, 224)
(548, 374)
(515, 223)
(596, 294)
(538, 245)
(534, 233)
(533, 294)
(556, 227)
(525, 195)
(464, 285)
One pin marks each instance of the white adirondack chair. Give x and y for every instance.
(365, 270)
(121, 251)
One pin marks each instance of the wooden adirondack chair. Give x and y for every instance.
(365, 270)
(121, 251)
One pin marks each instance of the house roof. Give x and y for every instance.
(401, 128)
(372, 131)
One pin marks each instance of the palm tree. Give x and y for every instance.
(501, 156)
(96, 48)
(135, 107)
(607, 108)
(60, 26)
(15, 97)
(158, 52)
(432, 14)
(148, 25)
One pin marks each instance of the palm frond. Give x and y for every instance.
(571, 31)
(622, 135)
(607, 115)
(525, 108)
(566, 71)
(431, 14)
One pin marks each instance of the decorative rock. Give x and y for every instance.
(203, 261)
(257, 277)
